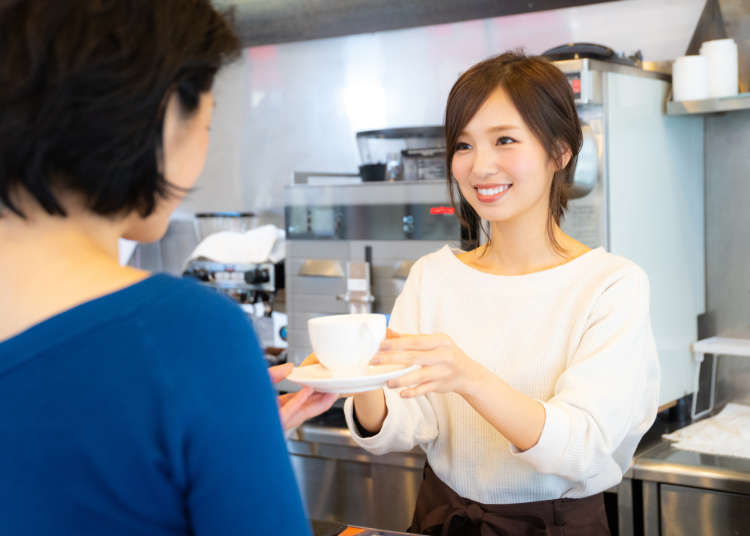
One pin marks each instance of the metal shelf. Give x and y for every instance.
(715, 346)
(723, 346)
(709, 106)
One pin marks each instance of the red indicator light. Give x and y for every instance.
(442, 210)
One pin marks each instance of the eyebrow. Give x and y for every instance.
(498, 128)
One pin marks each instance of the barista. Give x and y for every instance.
(539, 372)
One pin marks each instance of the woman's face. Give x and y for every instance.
(501, 168)
(185, 140)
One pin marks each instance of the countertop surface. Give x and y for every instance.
(666, 464)
(655, 460)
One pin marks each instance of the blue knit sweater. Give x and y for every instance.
(148, 411)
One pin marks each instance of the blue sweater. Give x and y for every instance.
(148, 411)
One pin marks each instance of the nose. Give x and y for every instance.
(484, 163)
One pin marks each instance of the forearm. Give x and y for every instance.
(371, 410)
(517, 416)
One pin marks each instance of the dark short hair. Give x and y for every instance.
(83, 92)
(543, 97)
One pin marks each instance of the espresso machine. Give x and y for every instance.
(258, 288)
(350, 246)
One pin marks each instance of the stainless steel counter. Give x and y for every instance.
(665, 492)
(340, 481)
(664, 463)
(688, 493)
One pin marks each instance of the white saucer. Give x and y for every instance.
(320, 378)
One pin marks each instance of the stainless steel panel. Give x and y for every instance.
(367, 193)
(625, 508)
(699, 512)
(727, 252)
(342, 482)
(316, 249)
(316, 302)
(387, 289)
(321, 268)
(586, 218)
(402, 272)
(709, 106)
(395, 251)
(315, 285)
(651, 515)
(299, 319)
(369, 494)
(666, 464)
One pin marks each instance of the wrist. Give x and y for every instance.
(475, 380)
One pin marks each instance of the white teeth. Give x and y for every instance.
(492, 191)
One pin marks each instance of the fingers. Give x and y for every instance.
(420, 390)
(405, 343)
(283, 399)
(313, 405)
(279, 372)
(413, 378)
(410, 357)
(393, 358)
(312, 359)
(292, 402)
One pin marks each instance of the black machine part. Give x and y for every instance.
(594, 51)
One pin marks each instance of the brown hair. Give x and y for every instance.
(543, 97)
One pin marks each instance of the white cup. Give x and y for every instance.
(723, 70)
(690, 78)
(344, 344)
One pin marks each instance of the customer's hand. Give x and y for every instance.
(296, 408)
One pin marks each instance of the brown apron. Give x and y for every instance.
(441, 511)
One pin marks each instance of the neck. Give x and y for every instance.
(40, 237)
(522, 245)
(50, 263)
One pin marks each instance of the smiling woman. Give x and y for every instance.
(531, 347)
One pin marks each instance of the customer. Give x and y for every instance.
(132, 403)
(539, 372)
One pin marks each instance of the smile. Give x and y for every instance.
(491, 193)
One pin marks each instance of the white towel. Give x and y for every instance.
(726, 434)
(262, 244)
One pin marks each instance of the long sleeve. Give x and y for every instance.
(607, 396)
(239, 478)
(409, 422)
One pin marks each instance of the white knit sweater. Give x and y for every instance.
(576, 337)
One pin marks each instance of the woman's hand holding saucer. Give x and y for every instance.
(445, 368)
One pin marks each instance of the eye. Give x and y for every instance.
(462, 146)
(505, 140)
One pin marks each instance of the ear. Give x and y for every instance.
(563, 154)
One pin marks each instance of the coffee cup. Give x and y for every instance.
(344, 344)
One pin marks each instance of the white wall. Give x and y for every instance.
(297, 106)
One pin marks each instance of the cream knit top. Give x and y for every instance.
(576, 337)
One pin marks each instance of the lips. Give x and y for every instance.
(489, 193)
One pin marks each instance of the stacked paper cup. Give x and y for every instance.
(721, 55)
(690, 78)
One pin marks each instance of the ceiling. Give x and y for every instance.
(261, 22)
